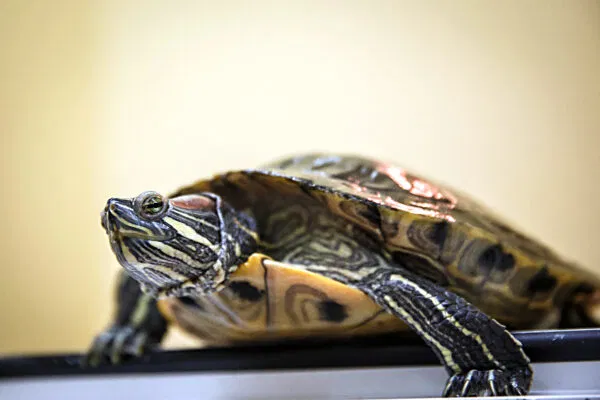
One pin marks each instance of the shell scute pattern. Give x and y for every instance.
(439, 232)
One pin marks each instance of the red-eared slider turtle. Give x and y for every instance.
(337, 245)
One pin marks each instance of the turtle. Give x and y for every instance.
(334, 245)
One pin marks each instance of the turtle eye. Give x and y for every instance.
(150, 205)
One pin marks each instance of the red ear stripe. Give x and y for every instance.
(193, 202)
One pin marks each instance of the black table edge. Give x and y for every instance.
(385, 351)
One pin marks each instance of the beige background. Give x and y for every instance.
(109, 98)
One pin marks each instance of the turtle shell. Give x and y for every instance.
(434, 230)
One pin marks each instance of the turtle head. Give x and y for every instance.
(183, 245)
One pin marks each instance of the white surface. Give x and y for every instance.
(570, 380)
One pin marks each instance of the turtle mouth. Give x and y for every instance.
(118, 227)
(119, 234)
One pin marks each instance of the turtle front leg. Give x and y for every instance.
(138, 326)
(481, 356)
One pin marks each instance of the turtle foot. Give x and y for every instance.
(117, 344)
(495, 382)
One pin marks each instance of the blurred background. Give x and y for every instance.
(110, 98)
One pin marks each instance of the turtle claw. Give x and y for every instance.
(117, 344)
(493, 382)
